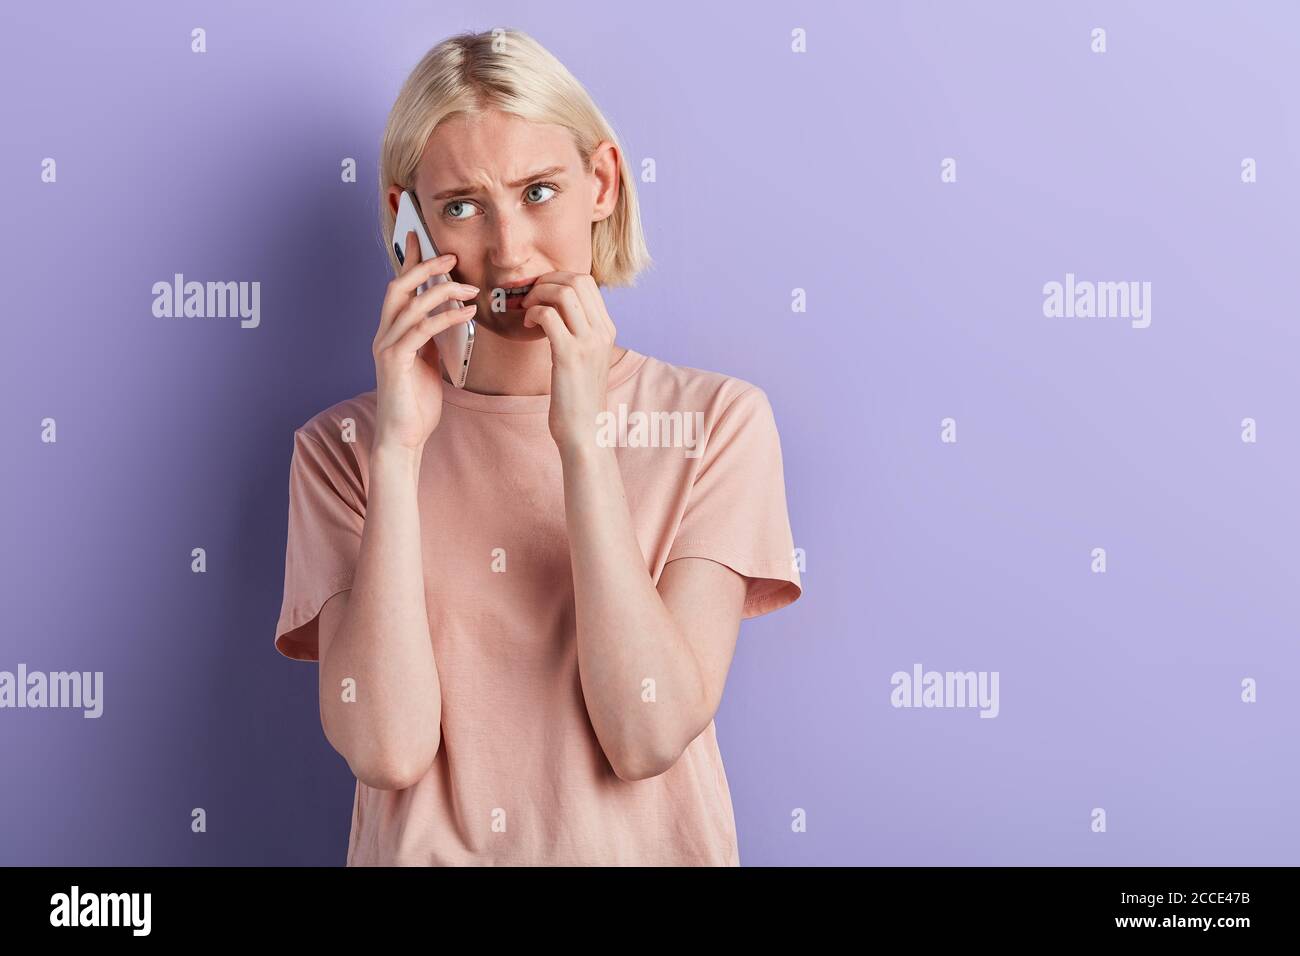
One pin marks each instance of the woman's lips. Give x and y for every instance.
(513, 301)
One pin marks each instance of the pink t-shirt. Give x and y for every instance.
(517, 743)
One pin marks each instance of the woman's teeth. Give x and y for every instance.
(523, 291)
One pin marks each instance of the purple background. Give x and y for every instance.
(775, 171)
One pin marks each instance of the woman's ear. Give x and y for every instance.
(604, 169)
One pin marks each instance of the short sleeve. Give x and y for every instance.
(326, 518)
(736, 513)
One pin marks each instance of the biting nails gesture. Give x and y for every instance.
(570, 310)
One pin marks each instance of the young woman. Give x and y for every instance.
(524, 599)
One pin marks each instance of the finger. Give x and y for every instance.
(413, 255)
(420, 273)
(569, 303)
(392, 297)
(403, 287)
(429, 301)
(564, 299)
(594, 304)
(552, 324)
(415, 313)
(441, 292)
(423, 331)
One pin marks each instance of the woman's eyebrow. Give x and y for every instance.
(472, 190)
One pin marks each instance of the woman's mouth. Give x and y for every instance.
(515, 296)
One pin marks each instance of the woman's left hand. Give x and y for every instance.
(569, 308)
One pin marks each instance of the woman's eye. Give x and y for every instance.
(452, 205)
(540, 186)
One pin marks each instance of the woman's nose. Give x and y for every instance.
(508, 239)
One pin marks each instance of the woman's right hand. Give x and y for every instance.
(407, 373)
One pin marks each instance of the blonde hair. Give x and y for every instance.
(508, 70)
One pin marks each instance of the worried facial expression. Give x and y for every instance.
(510, 199)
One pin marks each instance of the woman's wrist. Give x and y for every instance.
(395, 459)
(584, 453)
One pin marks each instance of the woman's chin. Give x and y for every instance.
(510, 325)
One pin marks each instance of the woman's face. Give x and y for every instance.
(510, 199)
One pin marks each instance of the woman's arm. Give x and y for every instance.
(628, 633)
(378, 635)
(651, 677)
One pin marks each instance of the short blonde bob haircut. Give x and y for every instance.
(508, 70)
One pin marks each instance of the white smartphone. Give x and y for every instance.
(455, 344)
